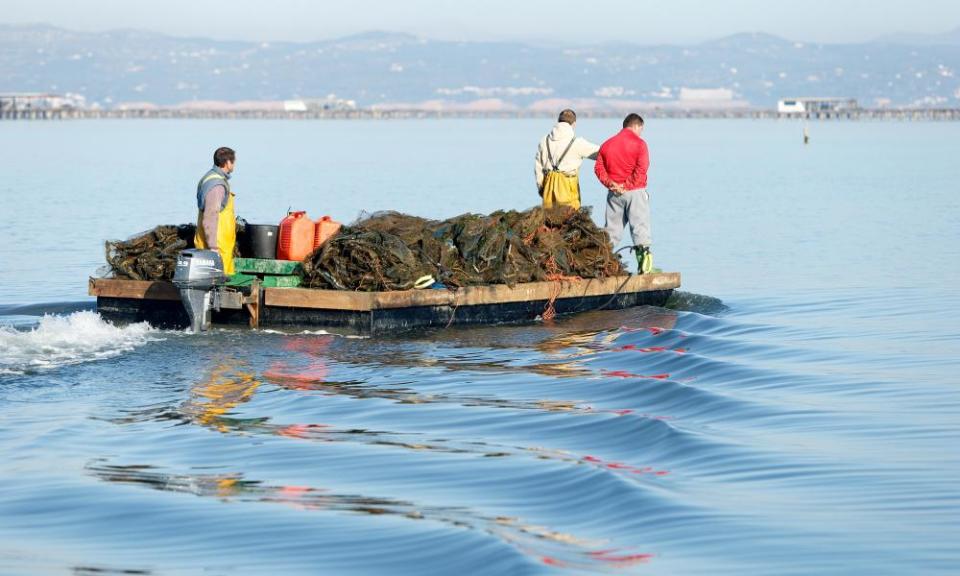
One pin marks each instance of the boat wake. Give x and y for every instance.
(57, 341)
(699, 303)
(44, 308)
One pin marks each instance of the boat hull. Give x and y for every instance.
(385, 312)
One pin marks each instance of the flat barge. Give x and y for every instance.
(158, 302)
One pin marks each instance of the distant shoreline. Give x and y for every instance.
(931, 114)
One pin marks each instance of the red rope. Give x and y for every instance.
(554, 274)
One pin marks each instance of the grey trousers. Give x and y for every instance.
(630, 207)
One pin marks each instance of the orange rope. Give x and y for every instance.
(550, 312)
(529, 239)
(554, 275)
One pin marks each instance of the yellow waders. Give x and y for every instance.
(561, 189)
(226, 235)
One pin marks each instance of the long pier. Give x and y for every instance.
(911, 114)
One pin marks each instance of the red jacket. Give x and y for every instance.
(623, 159)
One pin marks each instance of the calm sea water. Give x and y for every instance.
(810, 427)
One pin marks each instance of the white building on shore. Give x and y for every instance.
(41, 101)
(813, 105)
(331, 102)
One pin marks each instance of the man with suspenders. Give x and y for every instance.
(216, 220)
(558, 161)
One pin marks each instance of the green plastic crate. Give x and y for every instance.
(281, 281)
(241, 279)
(266, 280)
(263, 266)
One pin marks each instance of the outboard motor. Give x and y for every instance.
(198, 274)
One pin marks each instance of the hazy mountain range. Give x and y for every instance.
(383, 68)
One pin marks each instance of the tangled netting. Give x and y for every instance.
(390, 251)
(151, 255)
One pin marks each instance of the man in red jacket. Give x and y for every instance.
(622, 169)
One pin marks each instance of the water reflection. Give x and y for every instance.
(104, 571)
(309, 362)
(411, 441)
(308, 369)
(304, 375)
(547, 545)
(229, 384)
(557, 349)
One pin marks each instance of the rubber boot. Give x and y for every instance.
(644, 259)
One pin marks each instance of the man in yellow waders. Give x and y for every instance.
(558, 161)
(216, 220)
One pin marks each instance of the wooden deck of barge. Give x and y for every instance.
(158, 302)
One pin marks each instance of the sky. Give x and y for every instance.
(560, 21)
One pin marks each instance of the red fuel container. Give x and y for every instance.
(295, 239)
(327, 228)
